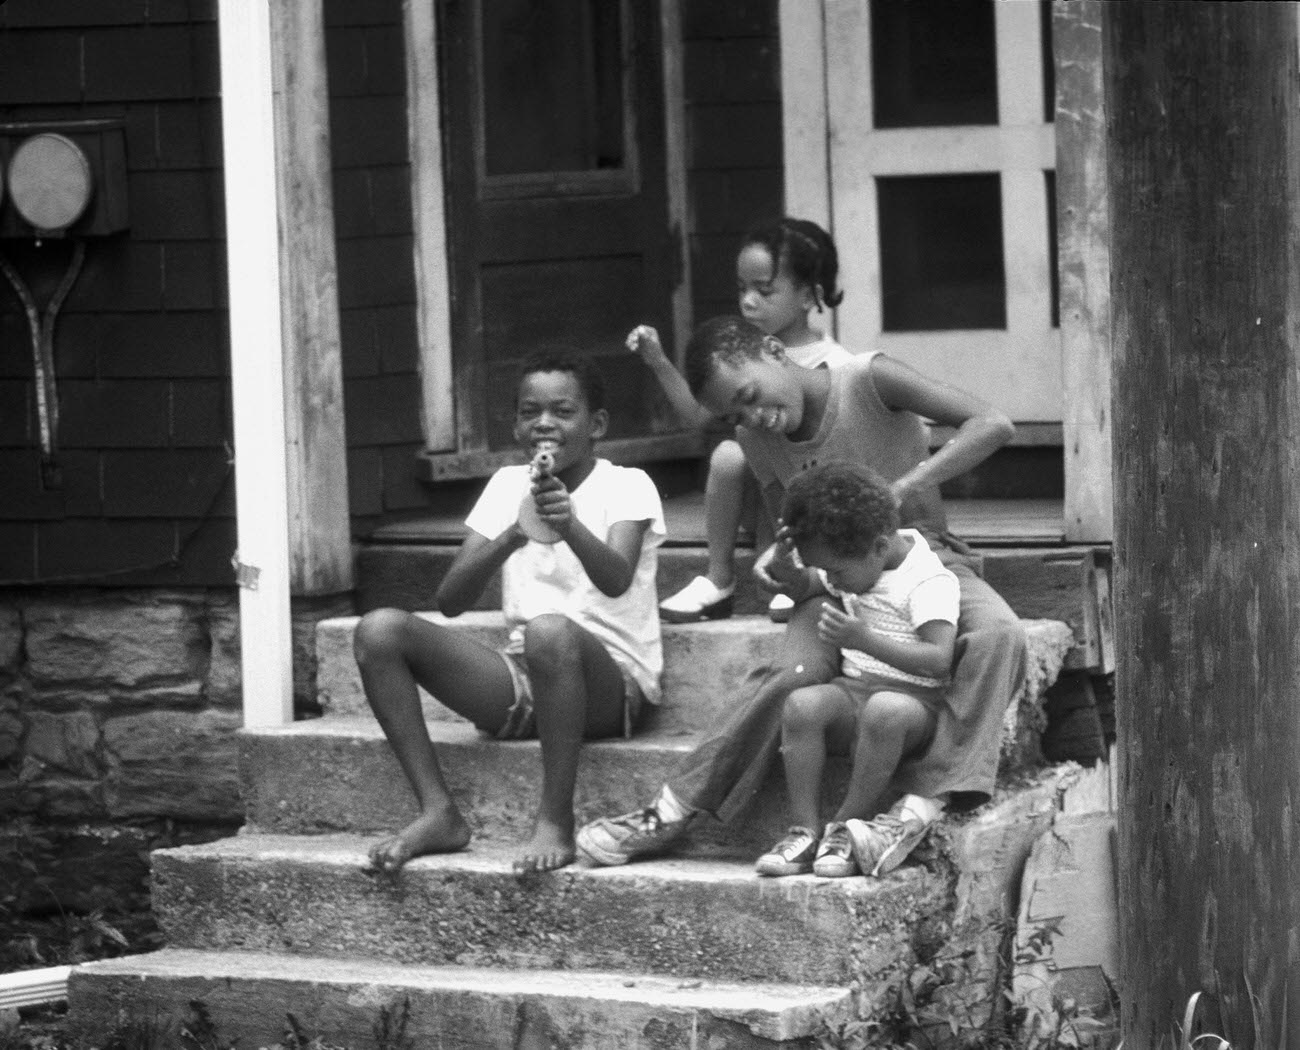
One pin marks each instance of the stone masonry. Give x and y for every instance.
(123, 703)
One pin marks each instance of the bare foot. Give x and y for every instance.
(550, 847)
(437, 831)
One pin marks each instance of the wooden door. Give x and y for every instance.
(557, 207)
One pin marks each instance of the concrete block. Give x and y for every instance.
(693, 919)
(1067, 938)
(248, 994)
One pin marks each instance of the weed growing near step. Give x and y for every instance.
(945, 999)
(200, 1031)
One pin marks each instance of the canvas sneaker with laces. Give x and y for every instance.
(834, 858)
(793, 855)
(617, 840)
(883, 843)
(701, 599)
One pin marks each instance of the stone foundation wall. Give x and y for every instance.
(121, 703)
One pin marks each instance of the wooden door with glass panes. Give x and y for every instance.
(941, 170)
(557, 205)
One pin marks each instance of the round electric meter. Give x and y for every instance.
(50, 181)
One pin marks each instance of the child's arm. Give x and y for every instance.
(981, 428)
(778, 569)
(930, 657)
(610, 563)
(644, 342)
(475, 562)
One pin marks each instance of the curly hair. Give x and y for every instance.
(807, 251)
(589, 379)
(843, 505)
(727, 338)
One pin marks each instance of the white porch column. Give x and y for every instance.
(257, 373)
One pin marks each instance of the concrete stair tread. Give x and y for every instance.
(693, 918)
(602, 1008)
(361, 727)
(351, 851)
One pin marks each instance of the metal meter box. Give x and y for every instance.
(63, 178)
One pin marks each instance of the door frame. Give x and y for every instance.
(432, 242)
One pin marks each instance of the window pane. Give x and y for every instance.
(933, 64)
(941, 253)
(552, 85)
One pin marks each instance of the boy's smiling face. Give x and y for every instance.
(551, 407)
(760, 393)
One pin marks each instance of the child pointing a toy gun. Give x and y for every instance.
(575, 539)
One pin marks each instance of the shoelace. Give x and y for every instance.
(647, 819)
(836, 840)
(795, 838)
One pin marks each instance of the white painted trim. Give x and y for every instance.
(256, 359)
(850, 111)
(1017, 37)
(432, 279)
(679, 216)
(804, 125)
(33, 987)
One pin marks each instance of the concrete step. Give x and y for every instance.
(692, 919)
(707, 666)
(248, 995)
(339, 775)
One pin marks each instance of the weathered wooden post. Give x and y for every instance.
(1204, 146)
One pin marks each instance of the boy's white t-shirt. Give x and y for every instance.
(826, 351)
(548, 578)
(920, 590)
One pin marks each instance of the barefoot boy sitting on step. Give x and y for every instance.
(892, 613)
(576, 545)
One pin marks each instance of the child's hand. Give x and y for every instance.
(553, 504)
(644, 342)
(840, 629)
(778, 568)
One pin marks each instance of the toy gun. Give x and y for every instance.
(543, 463)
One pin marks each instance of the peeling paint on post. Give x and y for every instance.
(1204, 126)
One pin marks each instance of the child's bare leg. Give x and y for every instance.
(811, 717)
(577, 693)
(394, 651)
(890, 726)
(723, 502)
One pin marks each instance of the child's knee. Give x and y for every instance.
(727, 460)
(887, 714)
(805, 708)
(379, 633)
(551, 639)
